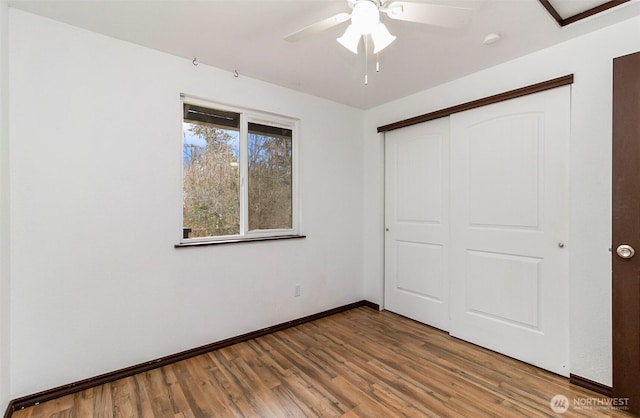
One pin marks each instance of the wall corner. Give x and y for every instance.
(4, 207)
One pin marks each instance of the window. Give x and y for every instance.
(238, 174)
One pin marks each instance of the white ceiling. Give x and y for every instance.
(247, 36)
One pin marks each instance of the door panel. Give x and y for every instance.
(416, 220)
(419, 178)
(626, 229)
(424, 259)
(514, 282)
(509, 197)
(492, 177)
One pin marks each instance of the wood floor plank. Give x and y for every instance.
(286, 404)
(83, 403)
(145, 398)
(102, 401)
(195, 378)
(359, 363)
(312, 379)
(175, 392)
(125, 400)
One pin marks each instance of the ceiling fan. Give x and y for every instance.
(365, 20)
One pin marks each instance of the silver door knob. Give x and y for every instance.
(625, 251)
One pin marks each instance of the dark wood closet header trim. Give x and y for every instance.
(587, 13)
(512, 94)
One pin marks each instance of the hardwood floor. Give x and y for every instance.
(360, 363)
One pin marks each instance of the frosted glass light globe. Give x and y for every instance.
(365, 16)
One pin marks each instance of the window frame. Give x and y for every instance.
(246, 116)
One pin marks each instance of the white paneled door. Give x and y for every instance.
(509, 225)
(491, 227)
(416, 217)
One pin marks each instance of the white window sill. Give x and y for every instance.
(236, 240)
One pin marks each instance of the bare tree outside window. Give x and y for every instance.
(270, 200)
(211, 181)
(214, 156)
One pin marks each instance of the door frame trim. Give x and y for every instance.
(625, 288)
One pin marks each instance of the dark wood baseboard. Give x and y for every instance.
(68, 389)
(9, 411)
(371, 305)
(591, 385)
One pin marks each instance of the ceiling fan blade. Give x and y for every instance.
(429, 14)
(317, 27)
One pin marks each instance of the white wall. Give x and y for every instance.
(95, 206)
(4, 205)
(590, 59)
(97, 284)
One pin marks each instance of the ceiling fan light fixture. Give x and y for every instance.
(350, 39)
(381, 38)
(365, 16)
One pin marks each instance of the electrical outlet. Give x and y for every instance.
(297, 290)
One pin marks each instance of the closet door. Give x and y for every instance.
(509, 226)
(416, 222)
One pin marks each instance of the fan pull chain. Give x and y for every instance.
(366, 60)
(377, 63)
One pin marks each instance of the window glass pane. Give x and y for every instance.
(211, 172)
(270, 181)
